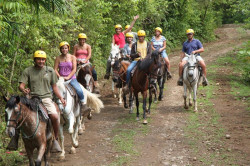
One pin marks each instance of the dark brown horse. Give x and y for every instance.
(119, 76)
(22, 113)
(85, 78)
(162, 76)
(144, 76)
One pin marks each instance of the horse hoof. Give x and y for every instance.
(145, 122)
(186, 107)
(76, 145)
(137, 118)
(71, 131)
(125, 106)
(61, 158)
(190, 104)
(72, 150)
(120, 103)
(196, 111)
(80, 131)
(131, 111)
(115, 96)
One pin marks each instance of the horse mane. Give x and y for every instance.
(148, 61)
(30, 103)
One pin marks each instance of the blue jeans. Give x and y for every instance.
(130, 68)
(78, 89)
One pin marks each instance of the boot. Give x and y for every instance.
(85, 110)
(108, 68)
(55, 147)
(204, 82)
(13, 145)
(169, 75)
(180, 82)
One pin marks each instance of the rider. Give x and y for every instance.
(66, 63)
(135, 37)
(40, 79)
(158, 42)
(128, 45)
(82, 51)
(140, 50)
(119, 39)
(192, 46)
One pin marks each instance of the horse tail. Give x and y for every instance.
(93, 101)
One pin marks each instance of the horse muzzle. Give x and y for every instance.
(10, 131)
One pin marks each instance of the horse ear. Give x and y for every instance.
(5, 98)
(17, 99)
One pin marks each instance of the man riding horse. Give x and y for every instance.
(192, 46)
(140, 50)
(40, 79)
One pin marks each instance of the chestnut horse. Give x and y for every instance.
(22, 114)
(145, 74)
(119, 76)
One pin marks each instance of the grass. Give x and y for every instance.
(124, 136)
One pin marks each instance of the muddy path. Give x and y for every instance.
(165, 142)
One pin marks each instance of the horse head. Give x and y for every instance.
(116, 69)
(114, 53)
(85, 76)
(155, 67)
(13, 114)
(192, 63)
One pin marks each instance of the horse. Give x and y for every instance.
(162, 76)
(145, 74)
(84, 77)
(71, 113)
(115, 54)
(191, 80)
(119, 76)
(22, 113)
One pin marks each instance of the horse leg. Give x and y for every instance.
(47, 152)
(161, 89)
(62, 155)
(81, 126)
(190, 99)
(145, 107)
(71, 119)
(131, 102)
(120, 96)
(195, 97)
(125, 101)
(185, 96)
(75, 135)
(29, 152)
(113, 89)
(41, 152)
(137, 106)
(150, 102)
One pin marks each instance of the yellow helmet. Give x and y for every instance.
(127, 26)
(158, 29)
(118, 26)
(82, 36)
(141, 33)
(190, 31)
(129, 34)
(64, 43)
(40, 54)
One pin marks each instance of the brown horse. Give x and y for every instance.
(144, 76)
(22, 113)
(85, 78)
(119, 76)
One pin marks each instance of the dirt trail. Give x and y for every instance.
(165, 144)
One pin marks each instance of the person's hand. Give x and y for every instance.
(63, 101)
(66, 78)
(26, 91)
(136, 17)
(85, 61)
(138, 53)
(193, 52)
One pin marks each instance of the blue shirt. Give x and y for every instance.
(189, 47)
(127, 49)
(157, 44)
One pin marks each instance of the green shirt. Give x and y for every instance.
(39, 81)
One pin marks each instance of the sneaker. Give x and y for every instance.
(106, 76)
(85, 110)
(180, 82)
(169, 75)
(204, 82)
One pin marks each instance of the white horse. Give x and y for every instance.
(191, 80)
(114, 55)
(72, 115)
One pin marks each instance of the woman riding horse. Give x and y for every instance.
(82, 52)
(128, 46)
(119, 39)
(66, 63)
(158, 42)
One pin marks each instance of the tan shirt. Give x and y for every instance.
(142, 48)
(39, 81)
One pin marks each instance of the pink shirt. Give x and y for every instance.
(82, 54)
(119, 40)
(65, 69)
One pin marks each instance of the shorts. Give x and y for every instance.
(50, 105)
(164, 54)
(198, 58)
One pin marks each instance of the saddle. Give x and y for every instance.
(42, 110)
(72, 92)
(133, 71)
